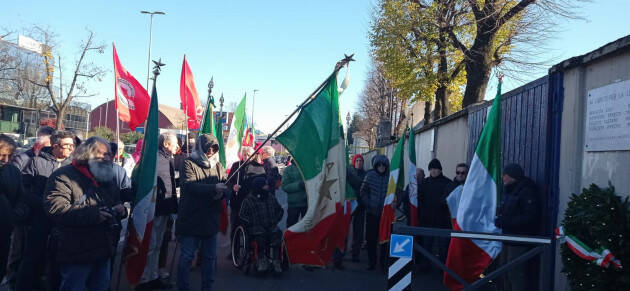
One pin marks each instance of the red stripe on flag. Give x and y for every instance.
(136, 253)
(466, 259)
(413, 215)
(385, 228)
(316, 246)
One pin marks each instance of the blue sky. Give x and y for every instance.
(284, 49)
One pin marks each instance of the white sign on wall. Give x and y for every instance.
(30, 44)
(608, 118)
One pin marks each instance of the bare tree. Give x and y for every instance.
(379, 101)
(84, 71)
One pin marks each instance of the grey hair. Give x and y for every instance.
(167, 136)
(269, 150)
(247, 149)
(86, 150)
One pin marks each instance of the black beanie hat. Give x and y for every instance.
(514, 170)
(435, 164)
(258, 183)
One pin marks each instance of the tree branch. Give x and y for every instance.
(514, 11)
(456, 43)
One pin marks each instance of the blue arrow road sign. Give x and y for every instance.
(401, 246)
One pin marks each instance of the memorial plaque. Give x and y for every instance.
(608, 118)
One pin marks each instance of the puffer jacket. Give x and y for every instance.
(374, 187)
(199, 210)
(10, 193)
(293, 184)
(245, 176)
(72, 200)
(36, 174)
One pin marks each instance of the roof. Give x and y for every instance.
(176, 116)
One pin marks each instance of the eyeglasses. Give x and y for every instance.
(460, 173)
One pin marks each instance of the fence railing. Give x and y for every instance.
(540, 244)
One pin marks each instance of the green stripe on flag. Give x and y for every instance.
(219, 136)
(489, 146)
(315, 130)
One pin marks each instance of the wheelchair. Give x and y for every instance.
(245, 252)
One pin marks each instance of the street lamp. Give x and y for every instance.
(150, 39)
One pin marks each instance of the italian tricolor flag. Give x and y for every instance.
(413, 182)
(235, 137)
(477, 205)
(315, 142)
(144, 179)
(396, 181)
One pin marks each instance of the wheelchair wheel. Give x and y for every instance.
(240, 249)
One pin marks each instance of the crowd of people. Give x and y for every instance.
(62, 202)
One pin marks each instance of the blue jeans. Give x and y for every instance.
(208, 252)
(80, 277)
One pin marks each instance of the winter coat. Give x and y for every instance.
(273, 174)
(433, 210)
(21, 160)
(260, 213)
(374, 187)
(10, 193)
(72, 199)
(246, 175)
(199, 209)
(293, 184)
(520, 209)
(36, 175)
(166, 202)
(355, 177)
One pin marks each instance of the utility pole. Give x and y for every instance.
(150, 39)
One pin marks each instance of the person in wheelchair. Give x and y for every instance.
(260, 214)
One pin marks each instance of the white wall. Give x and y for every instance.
(578, 168)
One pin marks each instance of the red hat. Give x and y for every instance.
(355, 157)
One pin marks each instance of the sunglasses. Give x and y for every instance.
(460, 173)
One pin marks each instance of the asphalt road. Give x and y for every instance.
(354, 277)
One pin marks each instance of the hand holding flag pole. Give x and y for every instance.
(340, 64)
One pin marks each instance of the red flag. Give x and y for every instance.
(190, 100)
(248, 139)
(132, 100)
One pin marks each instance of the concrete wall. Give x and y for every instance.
(579, 168)
(447, 141)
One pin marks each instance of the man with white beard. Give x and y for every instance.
(83, 201)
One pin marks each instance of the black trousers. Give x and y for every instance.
(294, 213)
(34, 260)
(268, 243)
(371, 235)
(5, 245)
(358, 230)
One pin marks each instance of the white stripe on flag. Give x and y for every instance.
(477, 206)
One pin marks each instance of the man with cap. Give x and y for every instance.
(519, 213)
(433, 210)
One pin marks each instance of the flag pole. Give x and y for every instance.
(118, 135)
(343, 62)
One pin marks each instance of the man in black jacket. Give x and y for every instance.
(271, 168)
(203, 189)
(355, 176)
(36, 176)
(166, 204)
(43, 140)
(83, 201)
(519, 213)
(10, 188)
(433, 210)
